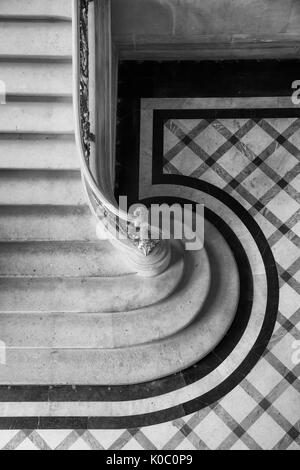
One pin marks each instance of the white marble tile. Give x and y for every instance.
(234, 161)
(238, 404)
(257, 140)
(288, 405)
(186, 162)
(258, 183)
(212, 430)
(264, 377)
(284, 349)
(289, 300)
(210, 140)
(283, 206)
(239, 445)
(281, 161)
(266, 432)
(285, 252)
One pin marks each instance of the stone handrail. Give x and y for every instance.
(94, 128)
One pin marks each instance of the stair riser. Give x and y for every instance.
(37, 78)
(47, 39)
(37, 117)
(36, 7)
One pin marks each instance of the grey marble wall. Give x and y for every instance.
(142, 21)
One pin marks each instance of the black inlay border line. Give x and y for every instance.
(188, 79)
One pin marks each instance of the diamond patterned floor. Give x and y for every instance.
(257, 162)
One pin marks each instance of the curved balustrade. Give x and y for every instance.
(148, 256)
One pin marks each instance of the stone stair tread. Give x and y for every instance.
(37, 117)
(51, 38)
(37, 78)
(46, 222)
(41, 187)
(38, 155)
(37, 7)
(91, 294)
(59, 259)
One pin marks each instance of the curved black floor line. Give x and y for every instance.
(96, 393)
(250, 360)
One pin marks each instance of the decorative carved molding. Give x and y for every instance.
(84, 79)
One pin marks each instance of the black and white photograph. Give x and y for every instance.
(149, 227)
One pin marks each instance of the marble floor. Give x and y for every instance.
(248, 148)
(239, 155)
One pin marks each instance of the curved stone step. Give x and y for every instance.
(37, 78)
(36, 38)
(41, 187)
(118, 329)
(60, 259)
(127, 365)
(87, 294)
(47, 222)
